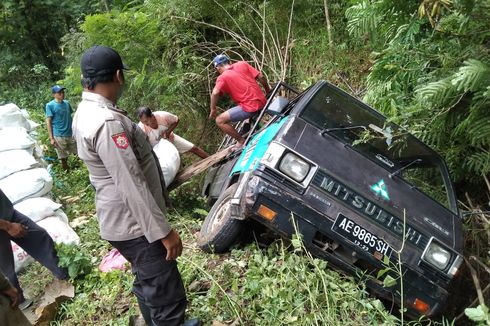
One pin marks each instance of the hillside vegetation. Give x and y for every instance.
(425, 64)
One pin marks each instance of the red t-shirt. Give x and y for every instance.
(238, 81)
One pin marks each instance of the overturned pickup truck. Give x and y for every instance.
(361, 191)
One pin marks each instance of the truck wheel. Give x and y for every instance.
(219, 230)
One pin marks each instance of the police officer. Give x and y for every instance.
(129, 189)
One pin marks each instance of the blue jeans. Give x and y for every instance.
(37, 243)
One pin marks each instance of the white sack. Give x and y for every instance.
(25, 113)
(15, 138)
(61, 216)
(59, 231)
(21, 258)
(38, 208)
(11, 116)
(169, 159)
(14, 161)
(25, 184)
(32, 125)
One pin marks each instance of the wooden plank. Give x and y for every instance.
(199, 167)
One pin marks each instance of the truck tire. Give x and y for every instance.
(219, 230)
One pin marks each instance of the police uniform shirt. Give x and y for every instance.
(123, 170)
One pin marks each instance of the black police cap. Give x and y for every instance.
(100, 60)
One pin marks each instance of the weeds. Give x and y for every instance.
(76, 261)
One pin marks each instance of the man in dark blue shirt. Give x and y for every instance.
(58, 120)
(29, 236)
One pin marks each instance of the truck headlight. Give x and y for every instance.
(294, 167)
(437, 256)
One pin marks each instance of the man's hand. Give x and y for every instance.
(212, 114)
(54, 143)
(13, 295)
(173, 244)
(17, 230)
(168, 136)
(171, 137)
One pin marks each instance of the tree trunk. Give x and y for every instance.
(105, 5)
(329, 26)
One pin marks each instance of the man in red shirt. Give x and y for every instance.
(239, 80)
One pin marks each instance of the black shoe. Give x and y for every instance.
(25, 304)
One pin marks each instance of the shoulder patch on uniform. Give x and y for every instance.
(121, 140)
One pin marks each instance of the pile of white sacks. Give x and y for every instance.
(26, 181)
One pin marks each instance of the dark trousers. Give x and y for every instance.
(37, 243)
(157, 283)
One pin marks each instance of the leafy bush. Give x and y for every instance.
(76, 261)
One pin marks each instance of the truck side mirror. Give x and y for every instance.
(277, 106)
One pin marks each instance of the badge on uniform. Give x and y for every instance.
(121, 140)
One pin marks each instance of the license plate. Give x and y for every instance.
(361, 237)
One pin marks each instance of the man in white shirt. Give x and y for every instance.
(161, 124)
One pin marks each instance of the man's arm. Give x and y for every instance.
(167, 133)
(214, 101)
(50, 131)
(263, 80)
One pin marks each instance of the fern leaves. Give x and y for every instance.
(437, 93)
(434, 78)
(478, 162)
(471, 130)
(472, 76)
(362, 19)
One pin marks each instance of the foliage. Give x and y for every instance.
(163, 74)
(30, 33)
(274, 286)
(169, 44)
(479, 314)
(434, 81)
(77, 262)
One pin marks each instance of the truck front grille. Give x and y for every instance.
(274, 175)
(373, 211)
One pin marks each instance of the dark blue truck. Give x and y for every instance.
(360, 190)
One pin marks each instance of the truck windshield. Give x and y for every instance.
(354, 123)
